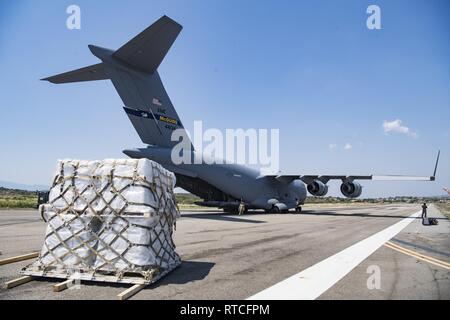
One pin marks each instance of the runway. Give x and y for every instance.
(237, 257)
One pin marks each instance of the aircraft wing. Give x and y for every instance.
(326, 178)
(350, 178)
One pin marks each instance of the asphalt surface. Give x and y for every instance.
(235, 257)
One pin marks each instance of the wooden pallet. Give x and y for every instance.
(138, 283)
(17, 282)
(29, 274)
(23, 257)
(124, 295)
(127, 278)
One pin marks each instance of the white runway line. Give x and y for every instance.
(310, 283)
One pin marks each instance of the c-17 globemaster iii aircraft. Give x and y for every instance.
(133, 70)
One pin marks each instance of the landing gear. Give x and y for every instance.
(275, 209)
(242, 209)
(298, 209)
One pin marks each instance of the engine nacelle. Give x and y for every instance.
(317, 188)
(351, 189)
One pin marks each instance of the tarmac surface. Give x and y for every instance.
(235, 257)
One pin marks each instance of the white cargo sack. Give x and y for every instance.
(109, 220)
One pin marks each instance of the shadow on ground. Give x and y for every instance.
(363, 215)
(188, 271)
(227, 217)
(219, 216)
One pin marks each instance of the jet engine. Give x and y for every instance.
(317, 188)
(351, 189)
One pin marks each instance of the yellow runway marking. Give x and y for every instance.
(417, 255)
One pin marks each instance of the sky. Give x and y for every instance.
(347, 100)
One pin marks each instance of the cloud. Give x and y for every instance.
(396, 126)
(348, 146)
(332, 146)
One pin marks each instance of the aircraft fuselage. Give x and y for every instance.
(238, 181)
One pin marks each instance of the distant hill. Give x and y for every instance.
(6, 192)
(20, 186)
(14, 198)
(186, 198)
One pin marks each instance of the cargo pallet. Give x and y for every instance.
(136, 279)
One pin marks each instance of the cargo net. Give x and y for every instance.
(109, 220)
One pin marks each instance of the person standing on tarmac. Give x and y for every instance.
(241, 209)
(424, 210)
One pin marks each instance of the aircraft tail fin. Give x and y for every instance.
(133, 71)
(147, 50)
(91, 73)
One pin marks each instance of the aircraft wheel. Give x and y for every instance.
(298, 209)
(275, 209)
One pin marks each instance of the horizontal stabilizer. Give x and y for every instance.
(91, 73)
(147, 50)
